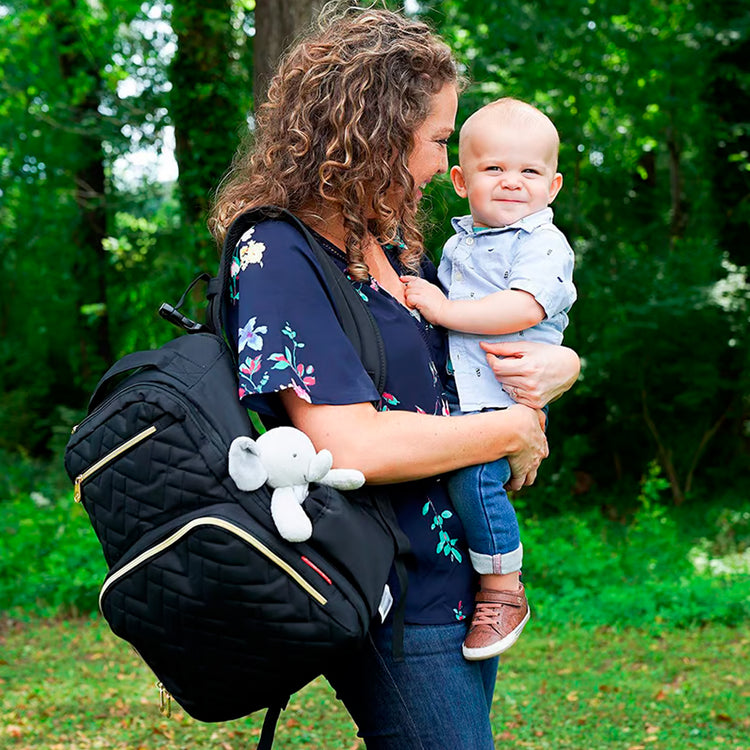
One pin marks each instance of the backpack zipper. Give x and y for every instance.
(222, 524)
(165, 700)
(108, 458)
(176, 396)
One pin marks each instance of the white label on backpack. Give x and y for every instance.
(386, 602)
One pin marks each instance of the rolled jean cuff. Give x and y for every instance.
(500, 564)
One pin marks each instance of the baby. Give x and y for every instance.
(508, 272)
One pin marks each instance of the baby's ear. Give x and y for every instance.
(554, 188)
(459, 184)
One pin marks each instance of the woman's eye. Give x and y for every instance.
(442, 141)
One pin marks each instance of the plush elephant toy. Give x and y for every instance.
(285, 459)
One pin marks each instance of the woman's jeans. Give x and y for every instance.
(433, 700)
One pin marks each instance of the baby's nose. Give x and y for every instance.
(510, 179)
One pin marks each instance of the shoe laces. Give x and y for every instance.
(486, 613)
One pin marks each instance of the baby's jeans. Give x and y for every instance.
(479, 497)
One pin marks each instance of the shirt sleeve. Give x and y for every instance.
(543, 267)
(445, 265)
(287, 333)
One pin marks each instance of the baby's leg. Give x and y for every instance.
(501, 611)
(489, 520)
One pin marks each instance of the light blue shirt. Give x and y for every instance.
(531, 255)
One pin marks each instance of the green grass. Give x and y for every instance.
(71, 685)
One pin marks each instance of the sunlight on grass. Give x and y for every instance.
(73, 685)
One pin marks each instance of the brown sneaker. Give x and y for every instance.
(499, 618)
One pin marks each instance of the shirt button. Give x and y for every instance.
(458, 276)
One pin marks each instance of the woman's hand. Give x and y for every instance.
(524, 462)
(532, 373)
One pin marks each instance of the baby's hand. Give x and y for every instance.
(427, 298)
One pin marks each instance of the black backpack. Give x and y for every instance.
(229, 616)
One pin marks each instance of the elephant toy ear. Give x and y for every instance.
(245, 466)
(320, 465)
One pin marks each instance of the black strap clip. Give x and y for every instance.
(172, 313)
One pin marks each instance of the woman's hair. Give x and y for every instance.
(337, 129)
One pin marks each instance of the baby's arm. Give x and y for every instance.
(506, 311)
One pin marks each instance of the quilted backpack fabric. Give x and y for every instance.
(229, 616)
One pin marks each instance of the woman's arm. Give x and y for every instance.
(398, 446)
(534, 373)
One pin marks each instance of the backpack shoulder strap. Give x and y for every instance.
(269, 726)
(353, 315)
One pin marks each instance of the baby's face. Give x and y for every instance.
(507, 172)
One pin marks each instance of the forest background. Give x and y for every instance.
(119, 117)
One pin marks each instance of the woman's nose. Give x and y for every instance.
(443, 166)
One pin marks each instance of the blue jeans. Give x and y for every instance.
(479, 497)
(433, 700)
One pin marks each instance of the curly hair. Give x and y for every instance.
(336, 131)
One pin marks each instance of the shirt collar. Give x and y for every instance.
(465, 224)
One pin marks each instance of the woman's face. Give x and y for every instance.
(429, 156)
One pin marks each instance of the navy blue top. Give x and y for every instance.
(288, 337)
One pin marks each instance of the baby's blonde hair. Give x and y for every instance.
(509, 110)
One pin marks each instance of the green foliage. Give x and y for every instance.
(209, 111)
(659, 568)
(63, 117)
(586, 570)
(652, 101)
(50, 560)
(635, 94)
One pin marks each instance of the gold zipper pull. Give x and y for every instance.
(165, 700)
(77, 488)
(113, 455)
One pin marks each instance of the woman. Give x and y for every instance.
(356, 124)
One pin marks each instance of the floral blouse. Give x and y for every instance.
(288, 337)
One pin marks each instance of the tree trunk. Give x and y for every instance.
(678, 213)
(208, 101)
(277, 24)
(90, 267)
(665, 454)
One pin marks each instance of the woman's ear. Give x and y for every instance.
(459, 184)
(554, 187)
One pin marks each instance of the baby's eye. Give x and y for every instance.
(493, 169)
(531, 171)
